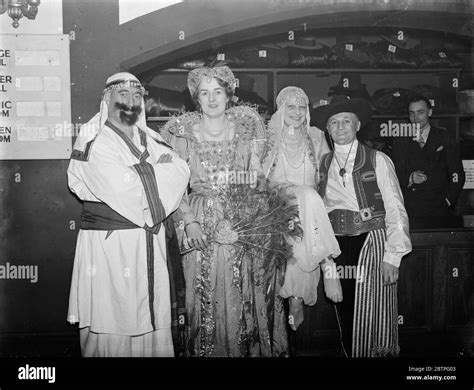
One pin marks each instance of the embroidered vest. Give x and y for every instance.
(371, 215)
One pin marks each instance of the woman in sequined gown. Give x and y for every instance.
(292, 155)
(232, 305)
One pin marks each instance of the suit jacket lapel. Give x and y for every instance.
(432, 141)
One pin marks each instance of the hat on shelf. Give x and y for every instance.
(350, 85)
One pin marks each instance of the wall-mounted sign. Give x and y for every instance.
(469, 169)
(35, 97)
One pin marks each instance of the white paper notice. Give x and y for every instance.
(469, 169)
(37, 58)
(52, 83)
(37, 83)
(43, 133)
(28, 83)
(30, 109)
(53, 108)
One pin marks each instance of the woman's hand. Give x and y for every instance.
(196, 238)
(262, 183)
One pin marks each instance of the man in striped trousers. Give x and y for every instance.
(365, 205)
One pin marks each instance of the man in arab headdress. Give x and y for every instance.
(130, 180)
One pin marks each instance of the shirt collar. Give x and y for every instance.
(424, 133)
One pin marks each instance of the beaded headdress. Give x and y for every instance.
(277, 123)
(277, 120)
(220, 72)
(290, 93)
(123, 80)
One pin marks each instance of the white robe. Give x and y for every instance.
(109, 288)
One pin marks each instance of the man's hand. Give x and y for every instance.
(418, 177)
(390, 273)
(165, 158)
(196, 238)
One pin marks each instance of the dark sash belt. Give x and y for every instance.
(99, 216)
(352, 223)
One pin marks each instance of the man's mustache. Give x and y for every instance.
(126, 107)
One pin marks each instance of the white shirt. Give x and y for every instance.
(422, 136)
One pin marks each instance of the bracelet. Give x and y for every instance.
(190, 223)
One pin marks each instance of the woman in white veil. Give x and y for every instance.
(291, 156)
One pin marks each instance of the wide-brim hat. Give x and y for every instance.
(361, 107)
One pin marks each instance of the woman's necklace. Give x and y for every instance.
(204, 134)
(292, 146)
(303, 163)
(294, 154)
(288, 157)
(290, 137)
(342, 170)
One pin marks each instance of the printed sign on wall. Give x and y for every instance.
(469, 169)
(35, 97)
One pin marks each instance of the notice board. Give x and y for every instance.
(35, 97)
(469, 170)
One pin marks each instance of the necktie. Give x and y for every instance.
(420, 140)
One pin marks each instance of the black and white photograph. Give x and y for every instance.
(237, 191)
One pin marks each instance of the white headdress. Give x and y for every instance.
(277, 120)
(92, 128)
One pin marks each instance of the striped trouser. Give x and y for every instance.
(374, 312)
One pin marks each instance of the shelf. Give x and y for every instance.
(330, 70)
(275, 74)
(400, 116)
(375, 116)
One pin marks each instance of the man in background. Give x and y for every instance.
(429, 167)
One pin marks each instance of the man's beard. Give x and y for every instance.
(129, 119)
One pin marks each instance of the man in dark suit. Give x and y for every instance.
(428, 166)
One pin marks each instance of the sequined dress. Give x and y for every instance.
(232, 303)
